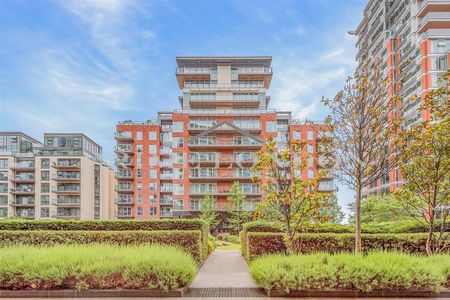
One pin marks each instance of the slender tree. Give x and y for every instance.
(294, 200)
(424, 160)
(208, 211)
(360, 120)
(237, 212)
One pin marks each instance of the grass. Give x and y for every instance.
(374, 271)
(95, 266)
(231, 246)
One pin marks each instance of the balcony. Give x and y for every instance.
(220, 177)
(433, 6)
(22, 191)
(61, 189)
(183, 74)
(264, 74)
(124, 162)
(326, 186)
(23, 202)
(166, 164)
(67, 164)
(254, 86)
(434, 20)
(166, 214)
(67, 177)
(124, 188)
(124, 214)
(68, 215)
(123, 136)
(124, 175)
(26, 214)
(165, 176)
(225, 144)
(124, 201)
(23, 166)
(166, 201)
(23, 178)
(222, 192)
(166, 189)
(128, 148)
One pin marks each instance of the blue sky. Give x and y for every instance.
(82, 65)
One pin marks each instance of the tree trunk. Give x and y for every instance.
(358, 219)
(430, 233)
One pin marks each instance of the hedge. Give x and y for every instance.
(114, 225)
(188, 240)
(261, 243)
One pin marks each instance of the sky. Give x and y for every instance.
(84, 65)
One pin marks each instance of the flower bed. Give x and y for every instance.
(375, 271)
(95, 267)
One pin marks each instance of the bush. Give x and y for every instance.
(222, 236)
(259, 243)
(256, 226)
(211, 246)
(375, 271)
(190, 241)
(95, 267)
(98, 225)
(234, 239)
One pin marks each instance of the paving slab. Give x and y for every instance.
(222, 269)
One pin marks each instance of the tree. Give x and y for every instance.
(375, 209)
(237, 214)
(332, 213)
(208, 211)
(359, 119)
(296, 201)
(424, 160)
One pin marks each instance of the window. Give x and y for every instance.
(139, 173)
(139, 159)
(3, 164)
(178, 204)
(177, 142)
(152, 135)
(4, 175)
(178, 158)
(3, 187)
(195, 204)
(297, 135)
(45, 212)
(152, 149)
(139, 186)
(310, 148)
(152, 174)
(139, 199)
(152, 161)
(45, 175)
(3, 199)
(310, 161)
(310, 135)
(45, 187)
(152, 198)
(152, 211)
(177, 173)
(310, 174)
(139, 135)
(139, 148)
(45, 163)
(271, 126)
(139, 211)
(177, 127)
(152, 186)
(178, 189)
(45, 200)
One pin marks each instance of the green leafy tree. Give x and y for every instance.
(424, 160)
(360, 135)
(375, 209)
(332, 213)
(237, 212)
(208, 211)
(296, 201)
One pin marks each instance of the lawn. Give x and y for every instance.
(375, 271)
(95, 266)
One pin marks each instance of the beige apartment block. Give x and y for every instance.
(62, 178)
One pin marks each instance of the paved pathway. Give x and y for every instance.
(224, 268)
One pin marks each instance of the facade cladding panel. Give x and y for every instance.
(207, 144)
(409, 42)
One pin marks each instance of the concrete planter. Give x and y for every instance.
(358, 294)
(90, 293)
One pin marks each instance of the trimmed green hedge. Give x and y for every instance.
(261, 243)
(188, 240)
(113, 225)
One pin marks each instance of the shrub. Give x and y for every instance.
(222, 236)
(259, 243)
(95, 267)
(233, 239)
(374, 271)
(190, 241)
(211, 246)
(97, 225)
(256, 226)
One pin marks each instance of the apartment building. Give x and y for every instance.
(165, 166)
(62, 178)
(409, 42)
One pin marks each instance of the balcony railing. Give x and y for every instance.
(23, 165)
(66, 189)
(126, 188)
(228, 86)
(26, 215)
(23, 178)
(124, 175)
(254, 70)
(67, 164)
(124, 214)
(166, 214)
(22, 190)
(125, 201)
(124, 148)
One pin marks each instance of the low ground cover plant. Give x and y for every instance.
(375, 271)
(97, 266)
(188, 240)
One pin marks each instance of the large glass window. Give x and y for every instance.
(271, 126)
(177, 127)
(152, 135)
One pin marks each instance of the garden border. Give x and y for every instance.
(176, 293)
(445, 293)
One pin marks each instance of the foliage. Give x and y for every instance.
(237, 212)
(95, 267)
(360, 135)
(259, 243)
(375, 271)
(376, 209)
(332, 213)
(176, 224)
(190, 241)
(295, 200)
(208, 211)
(424, 160)
(211, 246)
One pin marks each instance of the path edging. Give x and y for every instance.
(91, 293)
(358, 294)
